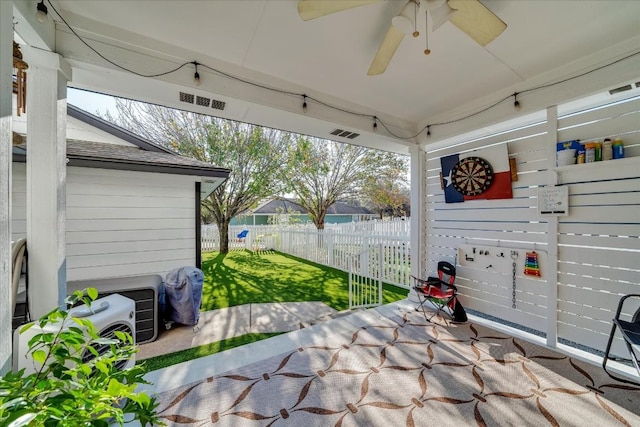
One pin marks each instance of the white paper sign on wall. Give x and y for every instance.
(553, 201)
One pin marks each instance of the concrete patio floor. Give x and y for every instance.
(217, 325)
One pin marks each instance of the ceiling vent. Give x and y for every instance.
(218, 105)
(187, 97)
(620, 89)
(202, 101)
(344, 133)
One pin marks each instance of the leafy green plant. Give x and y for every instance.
(66, 390)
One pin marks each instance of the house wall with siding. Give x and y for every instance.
(120, 223)
(593, 252)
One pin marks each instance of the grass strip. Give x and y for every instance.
(243, 277)
(159, 362)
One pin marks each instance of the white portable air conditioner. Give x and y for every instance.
(109, 314)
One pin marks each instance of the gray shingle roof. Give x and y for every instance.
(112, 156)
(276, 206)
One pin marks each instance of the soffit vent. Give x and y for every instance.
(344, 133)
(620, 89)
(218, 105)
(202, 101)
(187, 97)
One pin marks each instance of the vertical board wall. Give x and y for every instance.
(598, 243)
(121, 223)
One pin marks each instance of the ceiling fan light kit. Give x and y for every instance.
(470, 16)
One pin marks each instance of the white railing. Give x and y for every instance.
(330, 247)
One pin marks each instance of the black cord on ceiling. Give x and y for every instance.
(374, 118)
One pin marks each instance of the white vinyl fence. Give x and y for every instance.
(331, 247)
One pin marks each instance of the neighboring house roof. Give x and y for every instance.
(283, 206)
(111, 156)
(279, 206)
(145, 156)
(117, 131)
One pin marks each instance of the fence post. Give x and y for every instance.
(381, 263)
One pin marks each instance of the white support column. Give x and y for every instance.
(417, 219)
(46, 178)
(6, 85)
(552, 232)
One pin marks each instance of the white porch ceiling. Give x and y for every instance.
(266, 42)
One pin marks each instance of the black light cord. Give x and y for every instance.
(110, 61)
(333, 107)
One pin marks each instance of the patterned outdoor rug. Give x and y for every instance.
(405, 371)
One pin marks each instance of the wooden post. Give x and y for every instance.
(46, 178)
(6, 83)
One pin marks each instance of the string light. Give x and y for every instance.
(196, 75)
(304, 103)
(42, 12)
(42, 8)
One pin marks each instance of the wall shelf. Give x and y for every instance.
(599, 165)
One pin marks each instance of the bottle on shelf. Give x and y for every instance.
(607, 149)
(618, 149)
(589, 152)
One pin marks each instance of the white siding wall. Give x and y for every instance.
(121, 223)
(598, 243)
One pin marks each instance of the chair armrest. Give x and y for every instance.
(622, 301)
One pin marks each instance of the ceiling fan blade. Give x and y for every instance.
(311, 9)
(478, 22)
(386, 51)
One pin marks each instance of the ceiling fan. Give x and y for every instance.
(470, 16)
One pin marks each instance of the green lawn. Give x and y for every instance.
(242, 277)
(159, 362)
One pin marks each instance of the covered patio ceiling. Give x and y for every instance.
(258, 57)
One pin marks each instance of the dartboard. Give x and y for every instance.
(472, 176)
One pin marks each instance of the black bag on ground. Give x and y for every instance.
(183, 295)
(459, 315)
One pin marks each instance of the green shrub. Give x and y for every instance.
(64, 390)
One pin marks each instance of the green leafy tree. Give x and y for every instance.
(67, 390)
(387, 193)
(321, 172)
(253, 153)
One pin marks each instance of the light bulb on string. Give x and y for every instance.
(429, 131)
(516, 103)
(375, 124)
(196, 75)
(304, 103)
(42, 12)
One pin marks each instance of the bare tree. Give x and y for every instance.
(322, 172)
(254, 154)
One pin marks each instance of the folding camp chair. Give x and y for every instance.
(630, 332)
(439, 291)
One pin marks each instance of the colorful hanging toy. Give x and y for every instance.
(531, 266)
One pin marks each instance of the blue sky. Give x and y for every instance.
(90, 101)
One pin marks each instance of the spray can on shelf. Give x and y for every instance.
(607, 149)
(618, 149)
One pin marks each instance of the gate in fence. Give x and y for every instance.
(365, 278)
